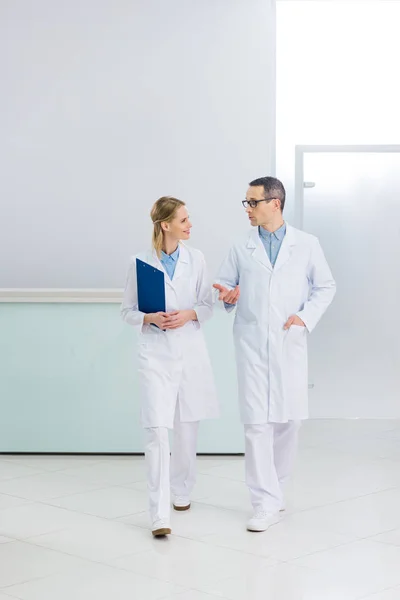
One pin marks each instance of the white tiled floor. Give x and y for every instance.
(76, 528)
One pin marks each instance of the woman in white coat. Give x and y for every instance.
(175, 376)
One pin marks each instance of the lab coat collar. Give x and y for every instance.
(255, 245)
(289, 241)
(180, 268)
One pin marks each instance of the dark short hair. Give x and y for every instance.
(272, 188)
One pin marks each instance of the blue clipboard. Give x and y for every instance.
(150, 287)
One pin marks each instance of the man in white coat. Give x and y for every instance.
(279, 278)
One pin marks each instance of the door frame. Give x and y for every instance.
(299, 183)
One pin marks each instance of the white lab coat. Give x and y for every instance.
(174, 365)
(271, 361)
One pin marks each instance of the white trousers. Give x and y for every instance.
(270, 452)
(165, 474)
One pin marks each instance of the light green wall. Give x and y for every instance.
(68, 381)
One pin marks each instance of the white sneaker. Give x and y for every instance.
(181, 503)
(160, 528)
(261, 521)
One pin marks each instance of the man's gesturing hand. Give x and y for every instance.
(228, 296)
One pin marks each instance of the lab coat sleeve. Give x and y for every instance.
(323, 288)
(204, 304)
(228, 276)
(130, 312)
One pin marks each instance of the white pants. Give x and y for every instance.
(270, 453)
(165, 474)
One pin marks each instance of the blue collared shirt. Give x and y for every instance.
(169, 262)
(272, 241)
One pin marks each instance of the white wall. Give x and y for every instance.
(105, 106)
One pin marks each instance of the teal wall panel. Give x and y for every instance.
(68, 381)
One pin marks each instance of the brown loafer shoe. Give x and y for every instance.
(161, 532)
(181, 508)
(181, 503)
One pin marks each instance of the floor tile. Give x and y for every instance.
(233, 469)
(44, 486)
(111, 502)
(206, 463)
(283, 582)
(228, 494)
(339, 538)
(97, 582)
(361, 517)
(191, 595)
(7, 501)
(393, 434)
(191, 563)
(370, 566)
(389, 537)
(111, 472)
(10, 470)
(36, 519)
(51, 462)
(99, 540)
(6, 540)
(393, 594)
(22, 562)
(200, 520)
(283, 541)
(339, 482)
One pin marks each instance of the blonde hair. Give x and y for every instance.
(163, 211)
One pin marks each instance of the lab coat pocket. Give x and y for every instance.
(148, 343)
(296, 335)
(297, 329)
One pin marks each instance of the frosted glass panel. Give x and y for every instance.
(354, 209)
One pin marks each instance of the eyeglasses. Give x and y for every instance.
(254, 203)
